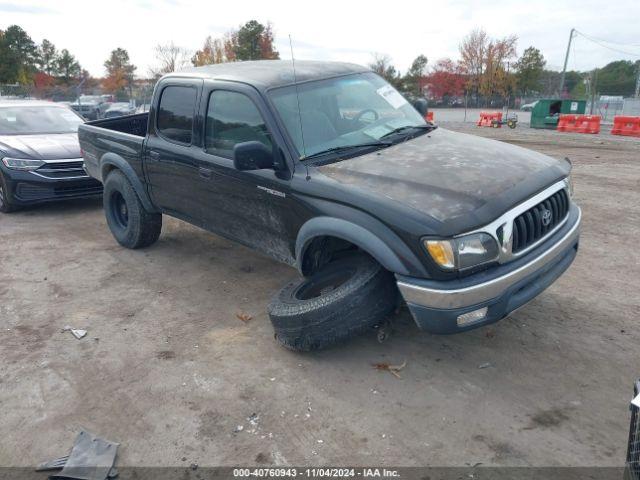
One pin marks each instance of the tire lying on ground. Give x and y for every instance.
(343, 299)
(129, 222)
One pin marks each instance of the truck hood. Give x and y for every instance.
(457, 179)
(40, 147)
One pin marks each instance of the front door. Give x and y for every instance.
(250, 207)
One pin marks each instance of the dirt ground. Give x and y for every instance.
(169, 370)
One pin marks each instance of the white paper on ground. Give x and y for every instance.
(78, 333)
(636, 401)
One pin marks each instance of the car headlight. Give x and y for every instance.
(21, 163)
(462, 252)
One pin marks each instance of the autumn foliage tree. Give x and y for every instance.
(252, 41)
(446, 80)
(486, 63)
(119, 79)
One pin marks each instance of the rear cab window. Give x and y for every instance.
(232, 118)
(176, 113)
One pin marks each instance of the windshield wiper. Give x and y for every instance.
(409, 127)
(343, 148)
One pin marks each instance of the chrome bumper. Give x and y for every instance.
(483, 292)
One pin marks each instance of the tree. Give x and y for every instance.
(485, 61)
(67, 66)
(213, 51)
(253, 41)
(46, 57)
(414, 80)
(119, 79)
(618, 78)
(446, 80)
(171, 58)
(472, 52)
(381, 65)
(530, 67)
(17, 56)
(497, 79)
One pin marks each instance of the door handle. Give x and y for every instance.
(154, 155)
(204, 172)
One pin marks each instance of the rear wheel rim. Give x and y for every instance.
(329, 283)
(119, 210)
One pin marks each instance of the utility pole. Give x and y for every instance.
(566, 59)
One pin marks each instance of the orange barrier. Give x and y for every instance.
(579, 123)
(429, 117)
(624, 125)
(490, 119)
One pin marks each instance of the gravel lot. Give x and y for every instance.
(170, 371)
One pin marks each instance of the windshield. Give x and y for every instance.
(350, 110)
(25, 120)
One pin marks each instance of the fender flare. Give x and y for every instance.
(351, 232)
(117, 162)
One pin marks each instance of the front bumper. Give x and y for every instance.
(28, 188)
(436, 305)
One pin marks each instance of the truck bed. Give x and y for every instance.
(120, 137)
(131, 124)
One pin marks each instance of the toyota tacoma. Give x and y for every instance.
(326, 167)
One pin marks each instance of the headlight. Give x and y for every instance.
(570, 185)
(21, 163)
(463, 252)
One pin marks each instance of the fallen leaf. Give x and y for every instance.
(490, 334)
(392, 369)
(245, 317)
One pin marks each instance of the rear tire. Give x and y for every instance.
(5, 198)
(345, 298)
(129, 222)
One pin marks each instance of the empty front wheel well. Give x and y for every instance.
(322, 250)
(106, 170)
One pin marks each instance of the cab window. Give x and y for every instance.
(175, 113)
(232, 118)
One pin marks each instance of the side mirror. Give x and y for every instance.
(422, 106)
(252, 156)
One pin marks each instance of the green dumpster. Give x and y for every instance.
(546, 111)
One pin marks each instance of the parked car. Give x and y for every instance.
(333, 171)
(40, 156)
(119, 109)
(527, 107)
(91, 107)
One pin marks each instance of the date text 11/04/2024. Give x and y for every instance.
(316, 472)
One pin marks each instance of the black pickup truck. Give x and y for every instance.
(328, 168)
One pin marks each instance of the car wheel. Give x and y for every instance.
(129, 222)
(342, 300)
(5, 198)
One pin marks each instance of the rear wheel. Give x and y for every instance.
(342, 300)
(5, 197)
(129, 222)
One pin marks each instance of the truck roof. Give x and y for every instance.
(267, 74)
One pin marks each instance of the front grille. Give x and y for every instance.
(28, 191)
(633, 450)
(62, 169)
(93, 188)
(538, 221)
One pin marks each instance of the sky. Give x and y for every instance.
(345, 30)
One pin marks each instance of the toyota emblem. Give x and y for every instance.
(546, 217)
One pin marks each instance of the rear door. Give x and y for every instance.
(172, 138)
(251, 207)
